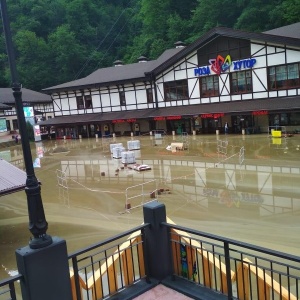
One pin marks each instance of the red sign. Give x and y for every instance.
(123, 121)
(118, 121)
(167, 118)
(174, 118)
(213, 116)
(260, 113)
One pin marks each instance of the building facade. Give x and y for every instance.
(37, 107)
(249, 80)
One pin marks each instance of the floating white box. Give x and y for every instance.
(133, 145)
(157, 136)
(112, 146)
(117, 151)
(128, 157)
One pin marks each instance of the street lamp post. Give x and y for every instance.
(37, 222)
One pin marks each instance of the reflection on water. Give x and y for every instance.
(241, 187)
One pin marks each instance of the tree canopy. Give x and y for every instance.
(61, 40)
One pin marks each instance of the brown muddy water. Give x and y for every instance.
(241, 187)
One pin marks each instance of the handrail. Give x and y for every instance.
(234, 242)
(124, 252)
(265, 282)
(108, 240)
(10, 282)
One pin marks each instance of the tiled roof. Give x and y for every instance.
(29, 96)
(185, 110)
(118, 74)
(12, 179)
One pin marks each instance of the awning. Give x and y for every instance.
(12, 179)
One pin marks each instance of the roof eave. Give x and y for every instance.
(97, 85)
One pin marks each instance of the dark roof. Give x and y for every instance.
(116, 74)
(292, 31)
(12, 179)
(4, 106)
(231, 33)
(287, 36)
(242, 106)
(29, 96)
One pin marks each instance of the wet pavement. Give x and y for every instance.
(244, 187)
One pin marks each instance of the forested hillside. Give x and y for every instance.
(62, 40)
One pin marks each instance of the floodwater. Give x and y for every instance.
(243, 187)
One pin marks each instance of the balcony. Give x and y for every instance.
(162, 254)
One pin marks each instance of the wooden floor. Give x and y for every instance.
(161, 292)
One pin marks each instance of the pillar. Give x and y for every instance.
(157, 242)
(46, 272)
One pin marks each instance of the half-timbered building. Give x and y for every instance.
(249, 80)
(37, 107)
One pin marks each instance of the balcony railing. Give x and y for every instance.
(198, 264)
(108, 267)
(8, 288)
(238, 270)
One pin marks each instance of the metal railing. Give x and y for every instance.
(8, 288)
(108, 267)
(237, 269)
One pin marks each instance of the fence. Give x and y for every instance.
(103, 269)
(239, 270)
(8, 288)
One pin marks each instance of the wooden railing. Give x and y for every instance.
(238, 270)
(116, 271)
(209, 267)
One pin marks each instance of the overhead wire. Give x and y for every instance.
(102, 41)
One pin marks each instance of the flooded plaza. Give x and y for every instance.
(243, 187)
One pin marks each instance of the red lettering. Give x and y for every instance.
(174, 118)
(214, 116)
(260, 113)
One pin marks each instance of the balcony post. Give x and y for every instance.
(157, 241)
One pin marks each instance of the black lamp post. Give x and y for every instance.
(37, 222)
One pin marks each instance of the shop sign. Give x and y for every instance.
(123, 121)
(220, 65)
(167, 118)
(260, 113)
(213, 116)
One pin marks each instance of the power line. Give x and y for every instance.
(101, 42)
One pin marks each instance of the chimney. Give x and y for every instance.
(142, 59)
(179, 44)
(118, 63)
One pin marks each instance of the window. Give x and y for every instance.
(88, 101)
(84, 102)
(176, 90)
(149, 95)
(284, 76)
(241, 82)
(122, 98)
(209, 86)
(15, 124)
(79, 100)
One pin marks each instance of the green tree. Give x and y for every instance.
(66, 53)
(32, 62)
